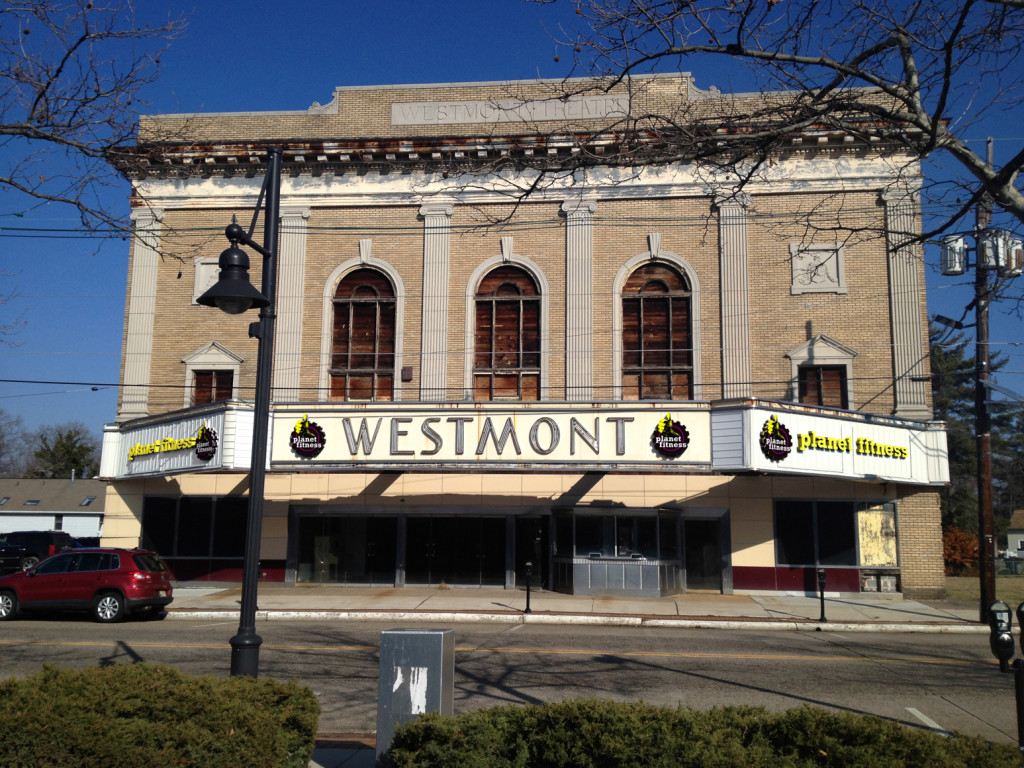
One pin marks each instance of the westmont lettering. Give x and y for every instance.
(811, 441)
(542, 438)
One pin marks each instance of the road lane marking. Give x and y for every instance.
(929, 722)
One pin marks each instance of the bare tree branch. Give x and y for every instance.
(70, 74)
(920, 75)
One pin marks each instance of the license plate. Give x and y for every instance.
(162, 593)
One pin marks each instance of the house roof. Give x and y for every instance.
(51, 495)
(1017, 521)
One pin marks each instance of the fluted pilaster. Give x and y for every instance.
(906, 301)
(434, 332)
(138, 344)
(735, 304)
(291, 271)
(579, 299)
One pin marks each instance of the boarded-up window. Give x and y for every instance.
(876, 530)
(823, 385)
(506, 354)
(363, 350)
(657, 347)
(212, 386)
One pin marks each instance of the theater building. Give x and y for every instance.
(641, 380)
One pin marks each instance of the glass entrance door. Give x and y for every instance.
(347, 550)
(459, 551)
(703, 552)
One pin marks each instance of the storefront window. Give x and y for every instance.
(197, 535)
(815, 533)
(590, 538)
(619, 536)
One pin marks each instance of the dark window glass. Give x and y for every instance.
(647, 537)
(89, 561)
(669, 537)
(159, 516)
(589, 536)
(194, 526)
(212, 386)
(823, 385)
(363, 351)
(837, 533)
(794, 532)
(58, 564)
(815, 533)
(145, 562)
(506, 353)
(229, 527)
(657, 350)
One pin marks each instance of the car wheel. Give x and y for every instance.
(108, 607)
(8, 605)
(28, 562)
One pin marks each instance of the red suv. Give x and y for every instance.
(109, 583)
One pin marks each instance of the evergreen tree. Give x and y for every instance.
(953, 403)
(63, 450)
(953, 397)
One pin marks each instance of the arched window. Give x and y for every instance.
(657, 339)
(363, 349)
(506, 354)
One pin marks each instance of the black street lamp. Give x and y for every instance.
(234, 294)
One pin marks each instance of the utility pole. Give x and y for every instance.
(983, 427)
(995, 249)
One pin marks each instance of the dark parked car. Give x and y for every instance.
(20, 550)
(108, 583)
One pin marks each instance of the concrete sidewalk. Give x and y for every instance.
(861, 612)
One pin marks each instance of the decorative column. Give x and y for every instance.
(735, 305)
(434, 331)
(138, 343)
(290, 299)
(579, 299)
(906, 302)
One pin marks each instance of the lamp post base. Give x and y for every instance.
(245, 655)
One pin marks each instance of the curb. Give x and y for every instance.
(456, 617)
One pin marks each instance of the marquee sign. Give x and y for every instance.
(479, 435)
(802, 441)
(211, 437)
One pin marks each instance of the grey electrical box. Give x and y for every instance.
(417, 675)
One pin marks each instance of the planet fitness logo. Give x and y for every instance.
(206, 443)
(776, 442)
(308, 438)
(670, 438)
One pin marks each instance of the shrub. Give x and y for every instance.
(959, 551)
(590, 733)
(148, 715)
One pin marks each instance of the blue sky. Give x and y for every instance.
(247, 55)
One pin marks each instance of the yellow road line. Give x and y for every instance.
(528, 651)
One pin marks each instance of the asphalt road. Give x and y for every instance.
(943, 682)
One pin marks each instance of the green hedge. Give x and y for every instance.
(590, 733)
(129, 716)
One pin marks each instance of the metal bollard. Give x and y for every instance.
(821, 593)
(529, 577)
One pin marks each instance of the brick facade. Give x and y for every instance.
(824, 196)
